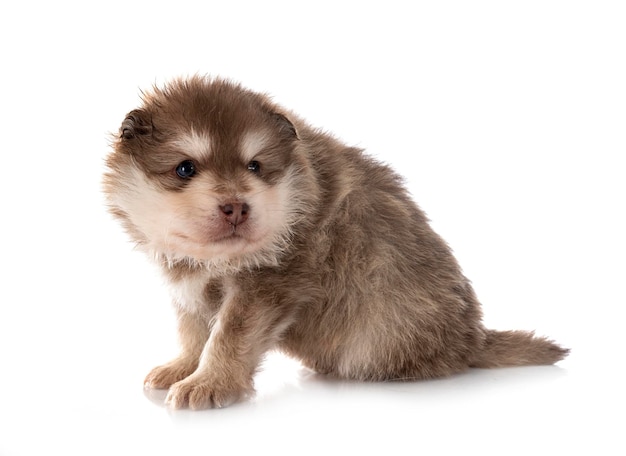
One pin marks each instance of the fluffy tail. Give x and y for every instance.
(517, 348)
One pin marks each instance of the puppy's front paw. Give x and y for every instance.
(162, 377)
(202, 391)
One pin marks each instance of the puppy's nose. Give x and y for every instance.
(235, 213)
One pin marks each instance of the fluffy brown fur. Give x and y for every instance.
(276, 235)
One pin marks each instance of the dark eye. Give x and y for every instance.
(254, 166)
(186, 169)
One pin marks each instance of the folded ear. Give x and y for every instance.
(137, 123)
(285, 127)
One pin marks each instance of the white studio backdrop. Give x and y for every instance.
(506, 120)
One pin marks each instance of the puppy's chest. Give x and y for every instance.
(197, 293)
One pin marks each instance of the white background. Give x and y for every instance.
(507, 120)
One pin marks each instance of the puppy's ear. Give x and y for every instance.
(285, 127)
(137, 123)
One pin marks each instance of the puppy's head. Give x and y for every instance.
(207, 172)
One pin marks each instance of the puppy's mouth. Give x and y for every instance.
(207, 243)
(233, 235)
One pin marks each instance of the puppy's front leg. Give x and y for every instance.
(242, 333)
(193, 333)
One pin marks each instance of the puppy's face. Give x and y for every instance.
(206, 171)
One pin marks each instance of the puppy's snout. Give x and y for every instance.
(235, 213)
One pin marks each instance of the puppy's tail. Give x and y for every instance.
(517, 348)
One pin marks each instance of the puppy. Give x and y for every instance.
(275, 235)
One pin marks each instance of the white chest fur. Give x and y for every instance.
(189, 293)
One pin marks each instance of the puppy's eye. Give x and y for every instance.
(254, 166)
(186, 169)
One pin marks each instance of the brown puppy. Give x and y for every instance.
(275, 235)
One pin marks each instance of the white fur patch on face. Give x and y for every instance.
(189, 225)
(196, 145)
(145, 205)
(251, 144)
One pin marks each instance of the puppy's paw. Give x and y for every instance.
(162, 377)
(202, 392)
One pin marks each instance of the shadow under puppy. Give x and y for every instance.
(273, 234)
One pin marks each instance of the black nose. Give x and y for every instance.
(235, 213)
